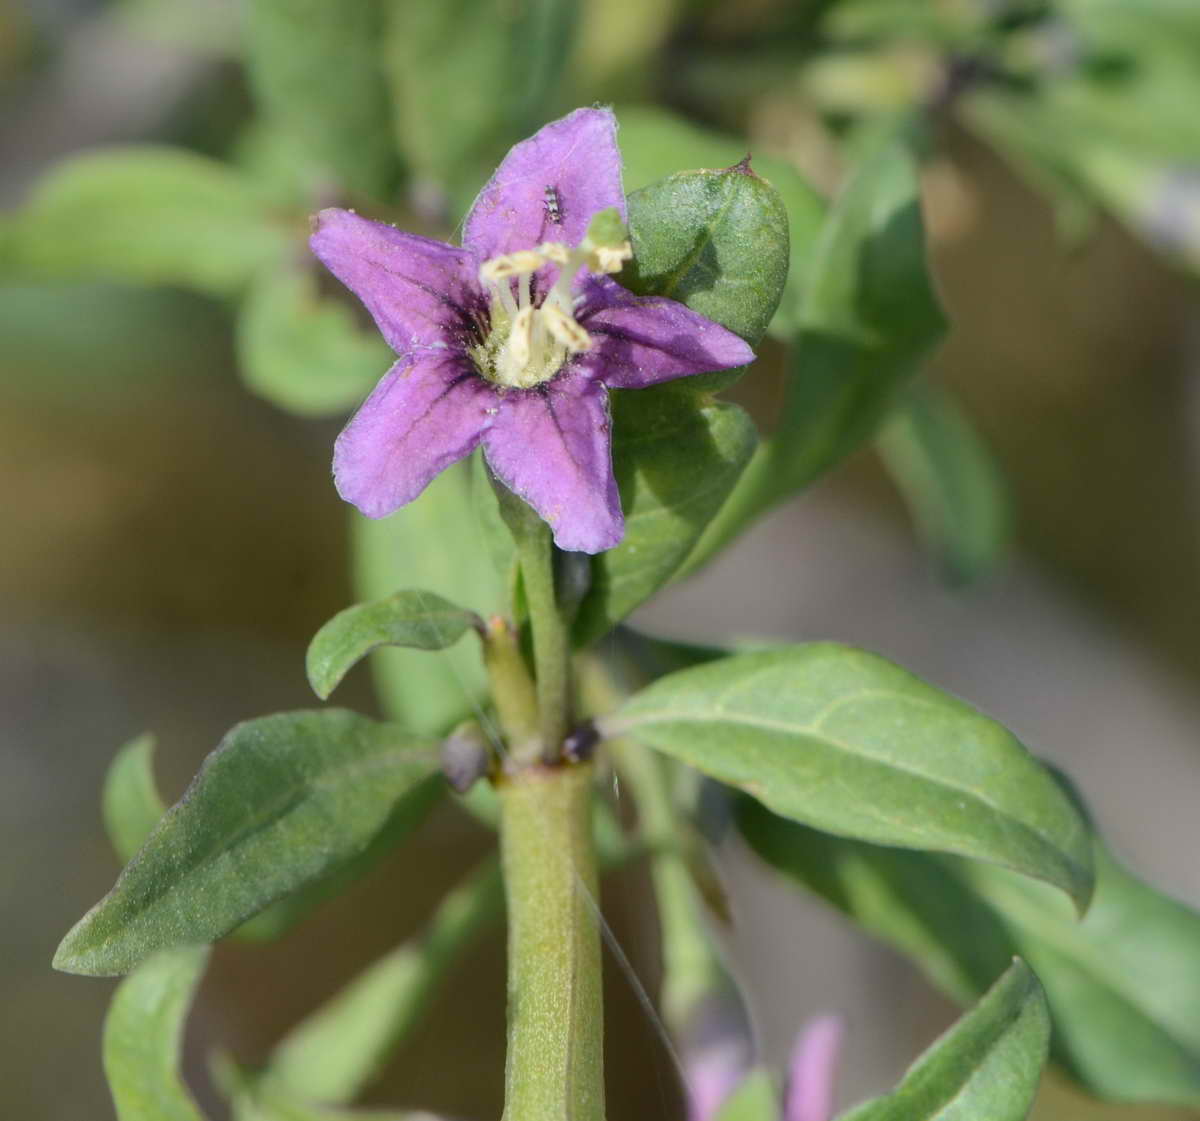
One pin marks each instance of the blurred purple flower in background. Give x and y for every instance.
(717, 1065)
(513, 340)
(812, 1070)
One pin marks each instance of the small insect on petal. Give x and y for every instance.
(553, 205)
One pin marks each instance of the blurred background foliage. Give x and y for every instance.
(174, 370)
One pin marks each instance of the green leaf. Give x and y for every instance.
(656, 143)
(413, 618)
(130, 800)
(716, 241)
(847, 742)
(1119, 982)
(950, 481)
(285, 913)
(437, 543)
(145, 215)
(676, 458)
(868, 320)
(316, 74)
(756, 1099)
(333, 1054)
(142, 1034)
(304, 353)
(470, 77)
(280, 801)
(985, 1068)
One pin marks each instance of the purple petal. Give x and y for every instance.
(570, 169)
(420, 292)
(642, 340)
(813, 1067)
(423, 416)
(551, 446)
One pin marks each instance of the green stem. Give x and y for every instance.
(692, 968)
(551, 643)
(512, 690)
(555, 1068)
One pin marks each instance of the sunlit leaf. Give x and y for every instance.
(849, 743)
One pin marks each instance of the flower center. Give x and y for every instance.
(527, 345)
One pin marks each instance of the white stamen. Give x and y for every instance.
(565, 330)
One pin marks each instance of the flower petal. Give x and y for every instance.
(551, 446)
(549, 186)
(642, 340)
(420, 292)
(423, 416)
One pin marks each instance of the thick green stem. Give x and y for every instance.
(555, 1069)
(551, 642)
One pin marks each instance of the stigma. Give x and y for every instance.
(527, 343)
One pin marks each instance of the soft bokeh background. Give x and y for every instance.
(170, 542)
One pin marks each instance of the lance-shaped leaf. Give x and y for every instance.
(277, 919)
(281, 800)
(148, 216)
(130, 799)
(437, 543)
(950, 481)
(413, 618)
(656, 143)
(302, 352)
(1120, 982)
(985, 1068)
(334, 1053)
(315, 71)
(133, 806)
(676, 459)
(868, 319)
(845, 741)
(142, 1034)
(716, 241)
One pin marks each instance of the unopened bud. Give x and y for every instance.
(466, 756)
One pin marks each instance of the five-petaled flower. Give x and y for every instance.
(513, 340)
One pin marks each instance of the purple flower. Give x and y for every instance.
(717, 1068)
(513, 340)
